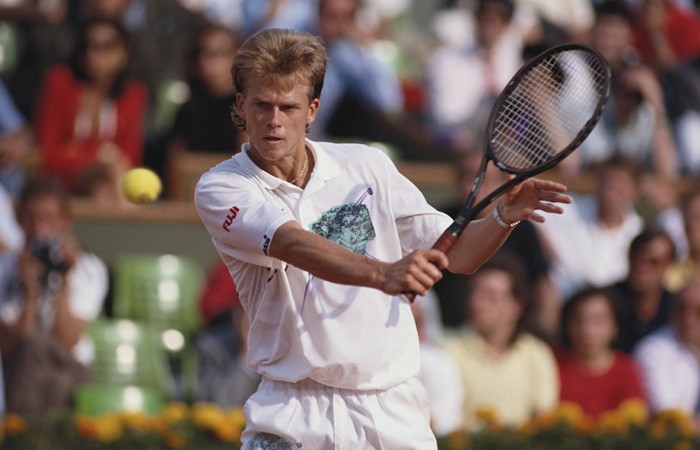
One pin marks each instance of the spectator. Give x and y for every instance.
(590, 240)
(669, 358)
(11, 236)
(503, 368)
(43, 36)
(15, 144)
(666, 34)
(292, 14)
(52, 291)
(591, 373)
(90, 112)
(645, 302)
(568, 19)
(225, 378)
(222, 376)
(635, 123)
(523, 243)
(438, 371)
(358, 84)
(613, 34)
(458, 108)
(203, 123)
(160, 32)
(686, 269)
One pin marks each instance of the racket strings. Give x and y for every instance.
(547, 110)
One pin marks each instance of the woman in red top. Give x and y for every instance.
(90, 112)
(592, 374)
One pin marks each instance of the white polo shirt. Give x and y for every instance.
(301, 326)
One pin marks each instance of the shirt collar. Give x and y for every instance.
(325, 167)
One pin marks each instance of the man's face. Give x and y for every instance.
(691, 222)
(491, 304)
(42, 218)
(649, 266)
(686, 316)
(276, 119)
(592, 326)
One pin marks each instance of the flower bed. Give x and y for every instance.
(204, 426)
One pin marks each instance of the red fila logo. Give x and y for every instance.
(232, 213)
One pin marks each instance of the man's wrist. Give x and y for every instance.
(501, 221)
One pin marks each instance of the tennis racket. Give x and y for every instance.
(544, 113)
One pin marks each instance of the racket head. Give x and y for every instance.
(548, 108)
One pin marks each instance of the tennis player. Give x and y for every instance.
(321, 240)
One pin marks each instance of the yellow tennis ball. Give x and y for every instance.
(141, 185)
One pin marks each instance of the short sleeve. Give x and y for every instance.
(241, 219)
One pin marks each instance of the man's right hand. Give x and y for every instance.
(416, 272)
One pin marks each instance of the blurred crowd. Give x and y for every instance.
(598, 306)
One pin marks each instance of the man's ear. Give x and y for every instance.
(313, 110)
(240, 99)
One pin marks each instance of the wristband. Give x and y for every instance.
(499, 219)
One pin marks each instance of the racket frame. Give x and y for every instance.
(468, 212)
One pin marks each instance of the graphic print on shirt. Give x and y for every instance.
(350, 225)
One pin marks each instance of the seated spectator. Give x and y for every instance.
(261, 14)
(203, 123)
(645, 302)
(221, 345)
(52, 291)
(355, 75)
(591, 239)
(504, 369)
(669, 359)
(11, 236)
(635, 123)
(226, 379)
(43, 35)
(687, 268)
(457, 109)
(523, 243)
(666, 34)
(15, 144)
(613, 34)
(438, 371)
(591, 373)
(90, 112)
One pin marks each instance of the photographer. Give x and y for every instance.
(48, 294)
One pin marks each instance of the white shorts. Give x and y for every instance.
(313, 416)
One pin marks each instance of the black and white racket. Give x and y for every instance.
(544, 113)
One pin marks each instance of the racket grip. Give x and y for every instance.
(445, 242)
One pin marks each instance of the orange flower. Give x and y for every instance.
(669, 420)
(236, 417)
(174, 441)
(488, 417)
(137, 421)
(228, 433)
(103, 429)
(612, 422)
(683, 445)
(634, 412)
(207, 416)
(15, 425)
(175, 412)
(458, 439)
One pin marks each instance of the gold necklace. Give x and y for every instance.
(303, 168)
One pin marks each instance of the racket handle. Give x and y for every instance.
(445, 242)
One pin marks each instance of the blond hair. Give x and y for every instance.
(281, 57)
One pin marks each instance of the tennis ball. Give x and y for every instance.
(141, 185)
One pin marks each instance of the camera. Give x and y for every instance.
(50, 253)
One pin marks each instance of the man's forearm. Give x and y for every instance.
(325, 259)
